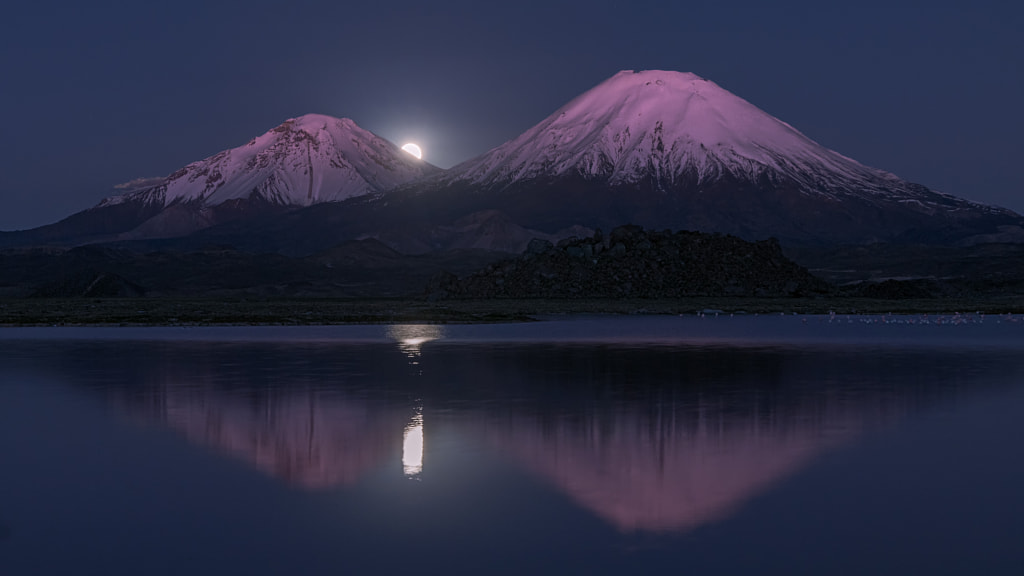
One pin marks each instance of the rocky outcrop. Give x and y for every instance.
(637, 263)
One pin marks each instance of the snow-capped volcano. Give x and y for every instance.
(636, 125)
(672, 149)
(304, 161)
(308, 160)
(666, 126)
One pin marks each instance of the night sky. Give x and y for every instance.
(101, 93)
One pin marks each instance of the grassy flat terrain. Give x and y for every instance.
(189, 312)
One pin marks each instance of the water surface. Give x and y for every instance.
(599, 445)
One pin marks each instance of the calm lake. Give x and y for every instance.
(579, 445)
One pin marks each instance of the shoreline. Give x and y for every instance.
(326, 312)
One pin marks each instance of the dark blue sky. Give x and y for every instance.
(100, 93)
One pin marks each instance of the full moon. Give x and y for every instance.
(413, 149)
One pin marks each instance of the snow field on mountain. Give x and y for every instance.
(304, 161)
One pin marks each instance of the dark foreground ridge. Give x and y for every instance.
(631, 262)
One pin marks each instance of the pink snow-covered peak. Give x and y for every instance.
(313, 124)
(686, 106)
(664, 122)
(304, 160)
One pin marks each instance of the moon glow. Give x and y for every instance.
(413, 149)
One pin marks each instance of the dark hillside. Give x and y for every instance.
(637, 263)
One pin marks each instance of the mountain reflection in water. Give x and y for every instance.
(303, 437)
(654, 439)
(640, 473)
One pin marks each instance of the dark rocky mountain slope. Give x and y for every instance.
(637, 263)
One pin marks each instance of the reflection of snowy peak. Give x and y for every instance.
(671, 128)
(303, 161)
(301, 438)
